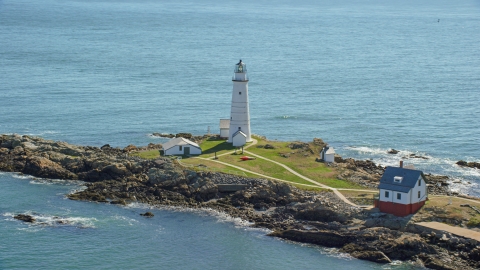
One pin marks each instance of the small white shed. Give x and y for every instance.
(327, 154)
(239, 139)
(224, 128)
(181, 146)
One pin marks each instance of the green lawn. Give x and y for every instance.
(302, 162)
(149, 154)
(263, 167)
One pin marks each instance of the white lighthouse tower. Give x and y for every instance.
(240, 114)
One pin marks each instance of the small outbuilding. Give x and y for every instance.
(224, 128)
(239, 139)
(402, 191)
(181, 146)
(327, 154)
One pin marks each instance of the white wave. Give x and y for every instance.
(219, 215)
(44, 220)
(21, 176)
(42, 133)
(44, 181)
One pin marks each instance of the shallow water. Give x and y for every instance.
(95, 235)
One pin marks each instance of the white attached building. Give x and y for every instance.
(240, 113)
(181, 146)
(239, 139)
(224, 128)
(402, 191)
(327, 154)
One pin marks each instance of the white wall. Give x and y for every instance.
(423, 190)
(176, 150)
(224, 132)
(405, 197)
(385, 199)
(239, 140)
(329, 157)
(240, 112)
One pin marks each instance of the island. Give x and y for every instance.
(331, 211)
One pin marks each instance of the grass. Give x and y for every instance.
(474, 221)
(149, 154)
(263, 167)
(211, 146)
(302, 162)
(448, 210)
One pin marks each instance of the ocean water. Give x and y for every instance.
(365, 76)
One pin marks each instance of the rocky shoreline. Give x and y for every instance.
(321, 218)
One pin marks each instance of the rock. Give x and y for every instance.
(269, 146)
(393, 151)
(324, 238)
(373, 256)
(469, 164)
(184, 135)
(147, 214)
(25, 218)
(120, 201)
(43, 167)
(298, 145)
(130, 148)
(106, 146)
(461, 163)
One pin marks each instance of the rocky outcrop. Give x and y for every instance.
(475, 165)
(25, 218)
(393, 151)
(147, 214)
(311, 217)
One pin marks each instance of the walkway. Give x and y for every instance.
(453, 230)
(314, 183)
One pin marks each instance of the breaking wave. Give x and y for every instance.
(46, 220)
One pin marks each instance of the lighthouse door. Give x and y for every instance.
(186, 151)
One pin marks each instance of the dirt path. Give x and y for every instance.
(314, 183)
(453, 230)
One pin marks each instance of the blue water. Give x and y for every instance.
(365, 76)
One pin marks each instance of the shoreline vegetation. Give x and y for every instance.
(293, 209)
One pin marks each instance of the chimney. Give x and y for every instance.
(401, 163)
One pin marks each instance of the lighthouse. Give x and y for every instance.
(239, 130)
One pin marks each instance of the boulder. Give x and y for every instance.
(43, 167)
(324, 238)
(25, 218)
(373, 256)
(147, 214)
(184, 135)
(393, 151)
(130, 148)
(269, 146)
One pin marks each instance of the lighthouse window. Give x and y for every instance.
(239, 93)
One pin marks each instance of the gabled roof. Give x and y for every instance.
(239, 133)
(178, 141)
(224, 123)
(409, 179)
(330, 150)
